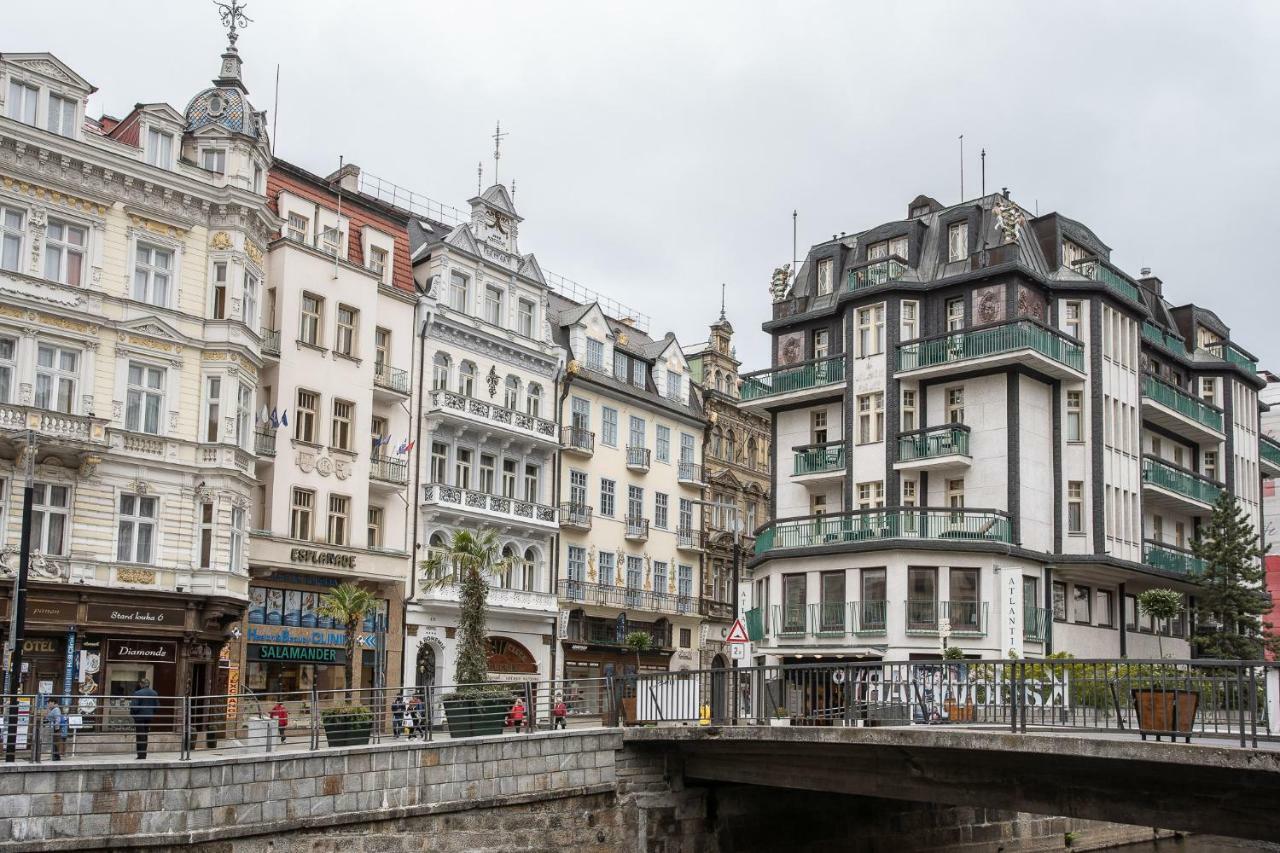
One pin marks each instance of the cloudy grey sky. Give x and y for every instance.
(660, 147)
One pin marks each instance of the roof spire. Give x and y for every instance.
(233, 18)
(722, 317)
(498, 136)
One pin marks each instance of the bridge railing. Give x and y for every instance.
(1225, 699)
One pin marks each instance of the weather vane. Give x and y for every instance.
(233, 16)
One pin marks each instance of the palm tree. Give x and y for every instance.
(469, 560)
(348, 604)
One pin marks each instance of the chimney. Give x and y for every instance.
(347, 178)
(1004, 191)
(1150, 282)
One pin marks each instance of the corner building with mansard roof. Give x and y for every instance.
(987, 435)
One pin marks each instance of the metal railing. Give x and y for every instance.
(877, 273)
(1157, 472)
(1159, 336)
(1182, 402)
(633, 598)
(690, 472)
(264, 442)
(1170, 558)
(819, 458)
(270, 342)
(578, 439)
(636, 527)
(1098, 270)
(1035, 623)
(1269, 450)
(575, 515)
(992, 340)
(638, 458)
(392, 378)
(800, 377)
(869, 525)
(389, 470)
(1228, 352)
(933, 442)
(688, 539)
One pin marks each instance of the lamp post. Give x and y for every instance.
(18, 611)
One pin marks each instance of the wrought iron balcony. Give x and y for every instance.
(800, 377)
(1101, 271)
(827, 619)
(825, 458)
(1160, 474)
(690, 474)
(713, 608)
(391, 378)
(577, 440)
(264, 442)
(886, 524)
(271, 342)
(1177, 400)
(631, 598)
(688, 539)
(389, 470)
(575, 516)
(1006, 341)
(471, 409)
(869, 617)
(489, 506)
(1171, 559)
(637, 528)
(877, 272)
(934, 443)
(638, 458)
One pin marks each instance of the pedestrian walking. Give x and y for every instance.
(418, 713)
(143, 710)
(56, 722)
(560, 714)
(281, 715)
(397, 716)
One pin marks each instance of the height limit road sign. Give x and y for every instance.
(738, 633)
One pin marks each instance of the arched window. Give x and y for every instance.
(436, 544)
(533, 403)
(511, 399)
(716, 442)
(730, 447)
(440, 368)
(531, 568)
(512, 572)
(752, 457)
(467, 379)
(717, 381)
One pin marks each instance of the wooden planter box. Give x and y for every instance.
(1165, 712)
(957, 713)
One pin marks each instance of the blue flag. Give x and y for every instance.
(284, 418)
(275, 419)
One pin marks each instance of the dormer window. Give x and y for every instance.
(298, 225)
(673, 386)
(330, 240)
(957, 242)
(595, 356)
(824, 276)
(919, 210)
(215, 160)
(898, 247)
(159, 148)
(378, 261)
(62, 116)
(22, 101)
(637, 373)
(1073, 254)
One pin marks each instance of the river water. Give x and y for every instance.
(1199, 844)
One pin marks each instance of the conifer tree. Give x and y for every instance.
(1232, 592)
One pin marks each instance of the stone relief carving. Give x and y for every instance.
(221, 240)
(988, 305)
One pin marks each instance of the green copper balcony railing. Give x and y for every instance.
(948, 440)
(820, 458)
(1193, 486)
(1182, 402)
(870, 525)
(992, 340)
(1225, 351)
(1159, 336)
(1100, 271)
(1269, 449)
(827, 619)
(877, 273)
(869, 617)
(800, 377)
(1035, 623)
(1170, 559)
(755, 624)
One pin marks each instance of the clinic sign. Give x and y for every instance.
(1010, 614)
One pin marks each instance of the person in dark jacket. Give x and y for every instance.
(143, 710)
(397, 716)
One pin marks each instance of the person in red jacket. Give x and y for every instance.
(517, 714)
(281, 715)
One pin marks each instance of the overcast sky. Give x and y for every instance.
(659, 148)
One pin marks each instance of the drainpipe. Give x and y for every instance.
(422, 314)
(562, 375)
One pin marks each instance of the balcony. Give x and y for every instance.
(385, 469)
(1170, 559)
(828, 619)
(934, 449)
(501, 595)
(689, 540)
(264, 443)
(1035, 624)
(793, 384)
(877, 273)
(1269, 456)
(887, 525)
(390, 378)
(789, 622)
(466, 505)
(478, 413)
(1165, 485)
(1230, 353)
(630, 598)
(578, 441)
(575, 516)
(963, 618)
(1180, 412)
(815, 463)
(638, 458)
(1024, 342)
(691, 474)
(637, 529)
(869, 618)
(71, 439)
(271, 342)
(1117, 282)
(715, 609)
(1161, 338)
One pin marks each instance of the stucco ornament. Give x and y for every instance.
(492, 381)
(778, 285)
(221, 240)
(573, 367)
(1008, 218)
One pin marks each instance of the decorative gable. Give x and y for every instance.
(462, 238)
(50, 69)
(530, 269)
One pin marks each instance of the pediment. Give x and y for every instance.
(530, 269)
(462, 238)
(163, 112)
(152, 327)
(51, 68)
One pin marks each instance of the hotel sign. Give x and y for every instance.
(1010, 611)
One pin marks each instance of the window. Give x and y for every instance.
(964, 609)
(793, 603)
(818, 426)
(1072, 254)
(660, 506)
(1106, 608)
(143, 398)
(206, 535)
(244, 415)
(488, 473)
(871, 495)
(50, 514)
(8, 353)
(608, 489)
(508, 478)
(56, 371)
(1209, 390)
(1131, 612)
(577, 489)
(137, 529)
(873, 590)
(218, 310)
(818, 505)
(378, 261)
(440, 366)
(825, 276)
(684, 585)
(1081, 604)
(259, 181)
(1059, 601)
(638, 372)
(620, 365)
(635, 570)
(249, 305)
(1075, 506)
(533, 400)
(871, 418)
(1210, 468)
(511, 393)
(458, 291)
(340, 431)
(152, 272)
(898, 247)
(1075, 416)
(493, 304)
(608, 568)
(344, 341)
(955, 315)
(22, 101)
(955, 405)
(532, 474)
(910, 319)
(685, 519)
(524, 317)
(64, 253)
(922, 597)
(11, 233)
(215, 160)
(159, 148)
(330, 240)
(312, 310)
(298, 227)
(870, 331)
(595, 357)
(635, 502)
(663, 449)
(462, 468)
(1071, 318)
(821, 343)
(439, 462)
(636, 435)
(304, 416)
(957, 241)
(908, 410)
(374, 530)
(339, 507)
(955, 493)
(673, 386)
(381, 348)
(62, 116)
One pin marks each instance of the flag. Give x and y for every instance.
(377, 441)
(409, 446)
(284, 418)
(274, 418)
(264, 416)
(400, 450)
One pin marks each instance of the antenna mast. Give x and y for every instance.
(962, 167)
(498, 136)
(275, 112)
(794, 215)
(984, 171)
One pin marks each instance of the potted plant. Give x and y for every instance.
(474, 707)
(781, 717)
(347, 724)
(1162, 710)
(637, 641)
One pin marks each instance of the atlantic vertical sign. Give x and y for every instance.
(1011, 616)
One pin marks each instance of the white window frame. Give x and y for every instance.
(147, 273)
(24, 101)
(1073, 318)
(957, 241)
(204, 558)
(302, 514)
(311, 322)
(378, 261)
(662, 445)
(344, 333)
(213, 158)
(338, 520)
(826, 276)
(1075, 416)
(955, 314)
(8, 371)
(63, 249)
(236, 558)
(341, 423)
(132, 520)
(212, 409)
(57, 376)
(494, 298)
(909, 410)
(42, 510)
(56, 118)
(13, 236)
(954, 397)
(1075, 506)
(608, 426)
(305, 427)
(459, 290)
(909, 319)
(525, 313)
(249, 299)
(142, 397)
(298, 227)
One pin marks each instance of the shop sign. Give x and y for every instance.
(51, 611)
(233, 690)
(123, 614)
(297, 654)
(39, 646)
(313, 557)
(289, 635)
(142, 651)
(306, 580)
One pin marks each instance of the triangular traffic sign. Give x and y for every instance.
(738, 633)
